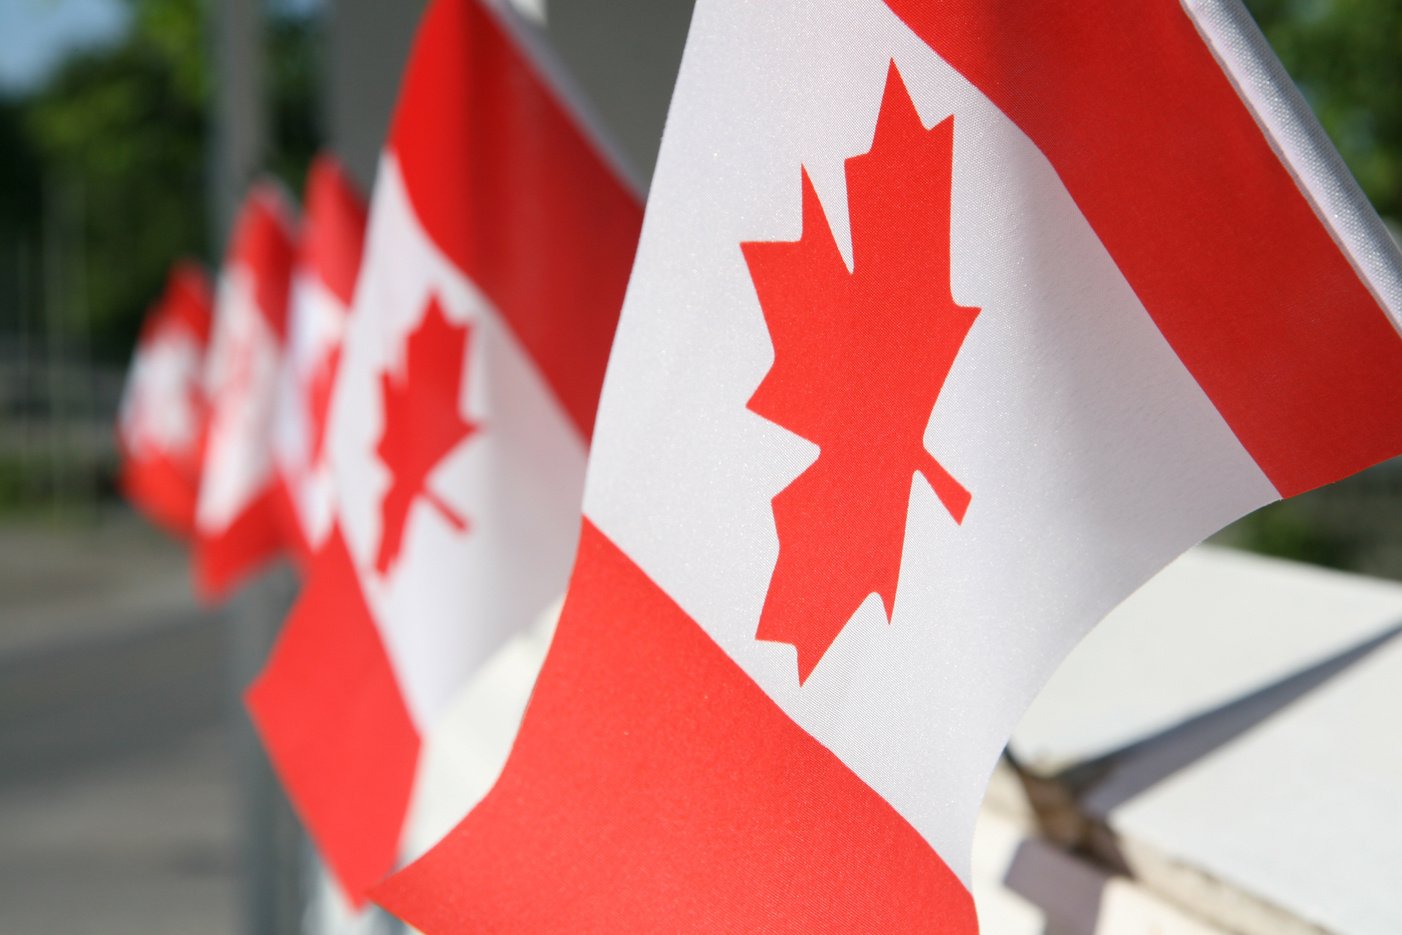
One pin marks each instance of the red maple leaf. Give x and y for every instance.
(860, 357)
(423, 423)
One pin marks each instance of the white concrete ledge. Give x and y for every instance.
(1219, 757)
(1229, 738)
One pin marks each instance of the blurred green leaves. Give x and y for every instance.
(123, 130)
(121, 133)
(1346, 55)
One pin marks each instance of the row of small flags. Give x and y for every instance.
(949, 325)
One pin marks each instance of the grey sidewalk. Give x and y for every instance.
(117, 804)
(63, 585)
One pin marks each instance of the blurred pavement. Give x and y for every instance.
(117, 800)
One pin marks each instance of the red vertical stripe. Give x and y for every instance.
(329, 711)
(187, 302)
(333, 232)
(511, 190)
(262, 244)
(1206, 223)
(163, 487)
(253, 539)
(654, 787)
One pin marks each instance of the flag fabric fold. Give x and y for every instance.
(951, 324)
(161, 422)
(238, 521)
(331, 668)
(500, 236)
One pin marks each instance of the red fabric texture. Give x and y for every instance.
(255, 537)
(514, 195)
(333, 239)
(511, 190)
(295, 544)
(333, 234)
(654, 787)
(263, 242)
(187, 302)
(164, 489)
(164, 485)
(330, 714)
(1207, 224)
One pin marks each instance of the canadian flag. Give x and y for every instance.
(238, 520)
(951, 324)
(323, 284)
(161, 421)
(496, 257)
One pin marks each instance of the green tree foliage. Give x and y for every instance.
(123, 130)
(121, 134)
(1346, 56)
(19, 171)
(295, 70)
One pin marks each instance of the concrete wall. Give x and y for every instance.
(624, 54)
(367, 44)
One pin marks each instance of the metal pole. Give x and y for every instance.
(368, 43)
(53, 333)
(24, 301)
(83, 375)
(238, 136)
(271, 840)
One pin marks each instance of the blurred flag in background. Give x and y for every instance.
(323, 284)
(161, 423)
(500, 237)
(238, 522)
